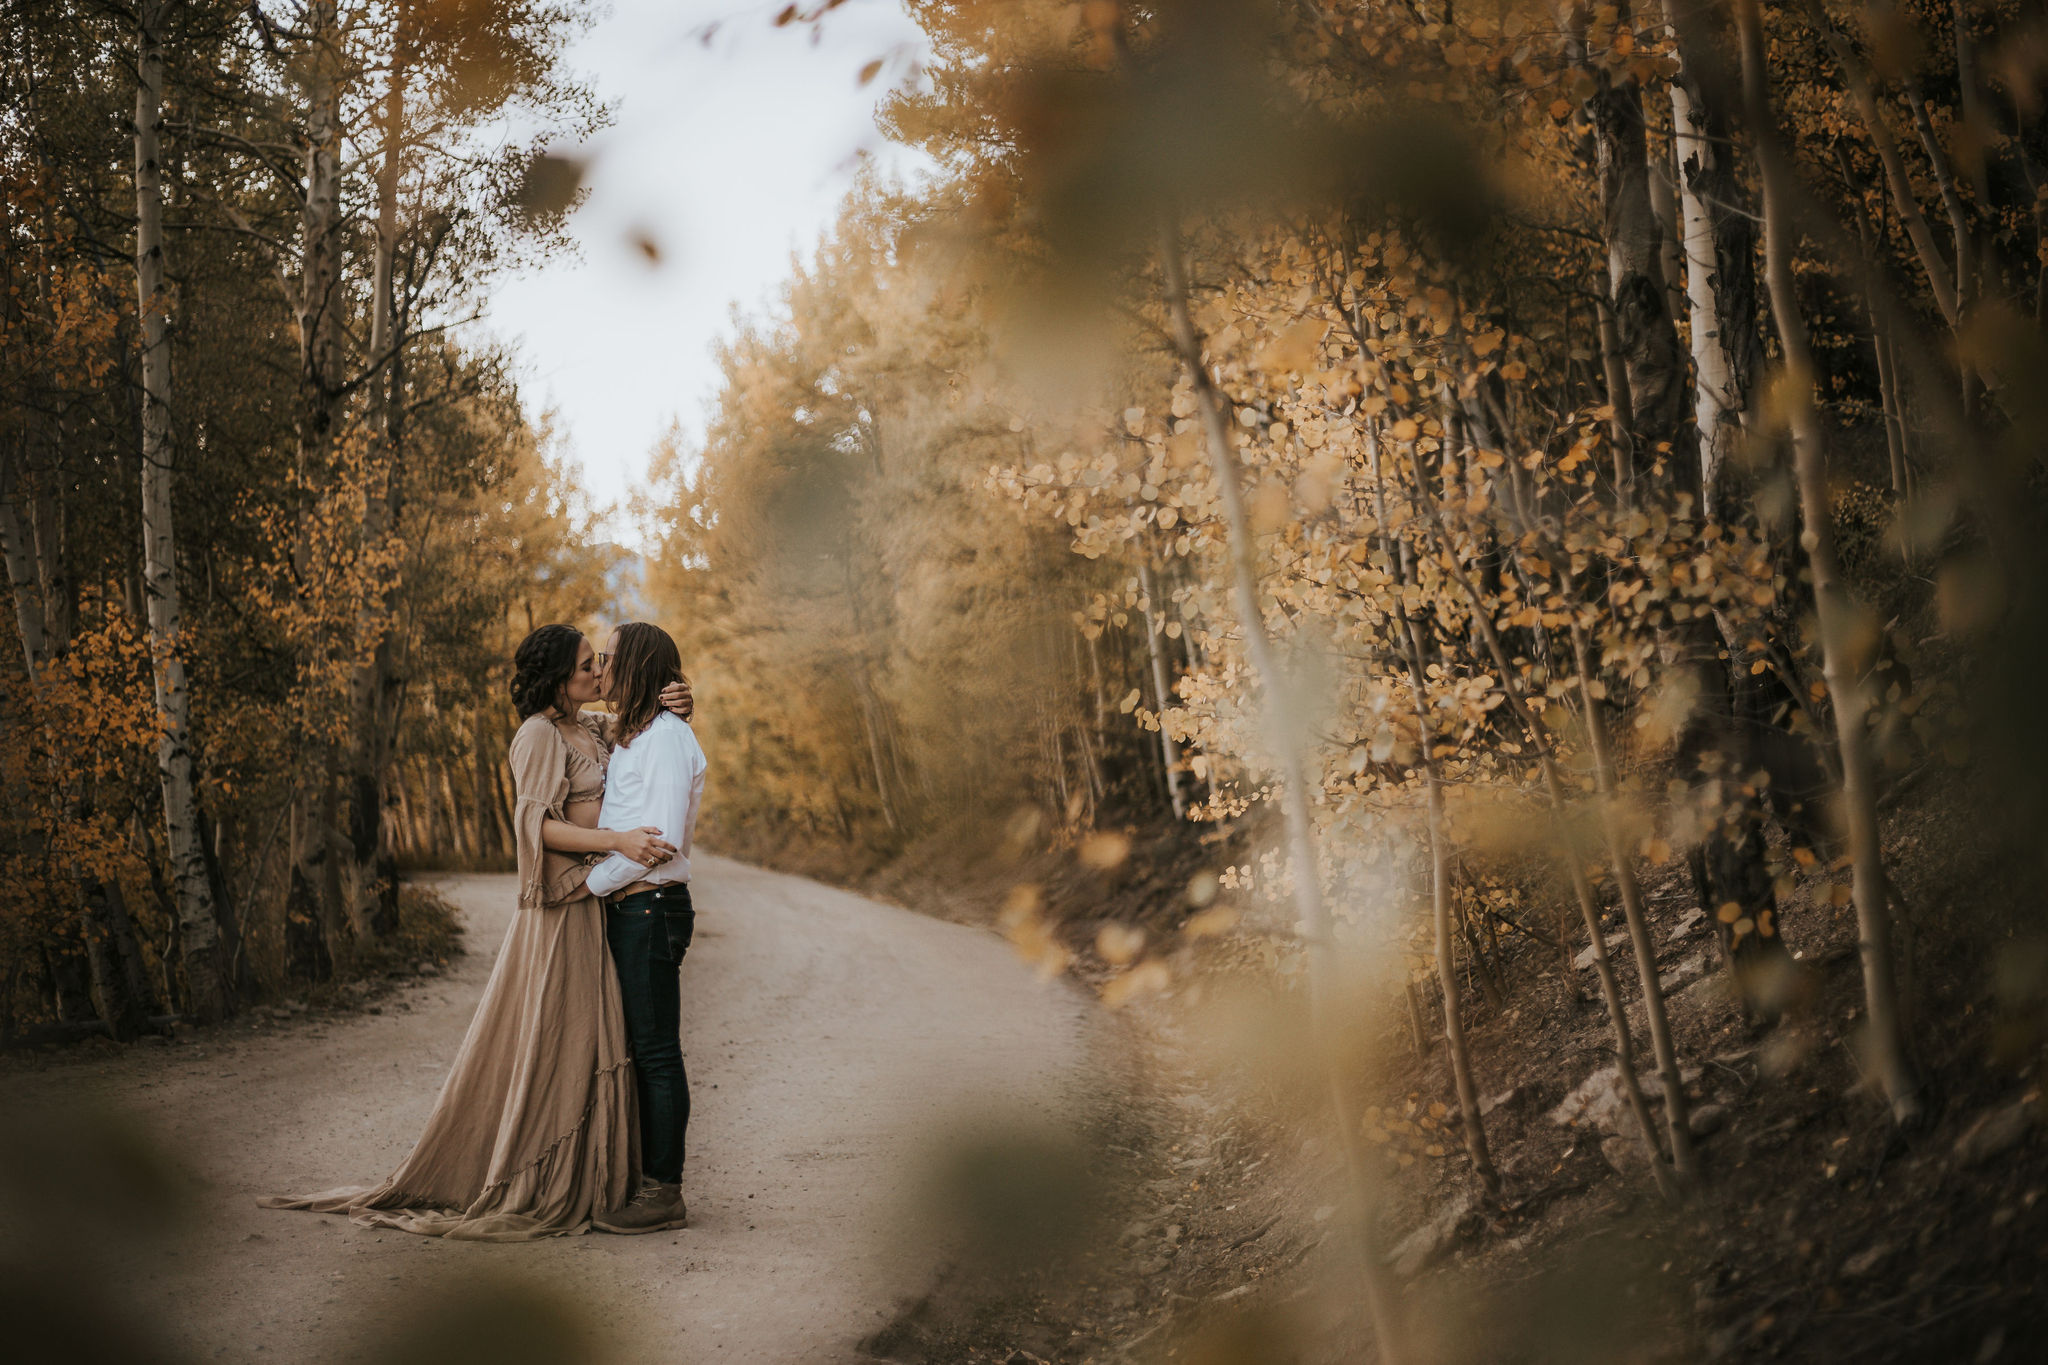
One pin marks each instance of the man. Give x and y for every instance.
(656, 779)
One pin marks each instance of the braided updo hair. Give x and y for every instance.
(541, 666)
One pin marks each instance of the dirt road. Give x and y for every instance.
(830, 1040)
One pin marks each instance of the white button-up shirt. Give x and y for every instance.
(656, 780)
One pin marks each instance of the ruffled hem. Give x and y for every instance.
(599, 1079)
(495, 1214)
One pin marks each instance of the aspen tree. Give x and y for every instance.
(209, 980)
(373, 874)
(1667, 1175)
(1719, 239)
(1662, 1048)
(1455, 1046)
(1644, 334)
(1847, 691)
(1162, 692)
(1382, 1298)
(317, 917)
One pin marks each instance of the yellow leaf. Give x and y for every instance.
(1271, 508)
(1293, 351)
(1119, 944)
(1382, 744)
(1021, 904)
(1104, 849)
(1147, 978)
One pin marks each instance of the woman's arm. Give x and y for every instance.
(644, 845)
(676, 697)
(563, 837)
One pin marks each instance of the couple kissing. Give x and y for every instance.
(566, 1106)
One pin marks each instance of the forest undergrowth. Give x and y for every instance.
(1821, 1233)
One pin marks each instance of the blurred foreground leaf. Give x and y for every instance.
(549, 186)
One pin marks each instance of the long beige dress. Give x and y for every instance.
(535, 1129)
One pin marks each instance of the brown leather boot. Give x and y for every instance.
(656, 1208)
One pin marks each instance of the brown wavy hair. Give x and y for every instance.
(645, 661)
(542, 667)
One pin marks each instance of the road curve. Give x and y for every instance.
(830, 1040)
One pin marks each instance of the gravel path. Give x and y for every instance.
(831, 1040)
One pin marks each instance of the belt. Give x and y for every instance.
(658, 892)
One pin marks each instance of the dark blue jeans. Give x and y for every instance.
(649, 932)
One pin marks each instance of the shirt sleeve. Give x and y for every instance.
(674, 780)
(615, 871)
(693, 764)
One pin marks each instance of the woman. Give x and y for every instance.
(535, 1131)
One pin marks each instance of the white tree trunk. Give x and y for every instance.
(1885, 1050)
(1941, 279)
(1545, 744)
(1440, 923)
(1168, 752)
(372, 874)
(315, 902)
(1382, 1299)
(206, 976)
(1677, 1120)
(1717, 401)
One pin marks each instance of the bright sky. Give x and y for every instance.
(731, 155)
